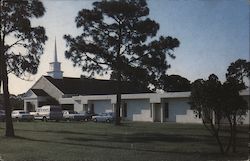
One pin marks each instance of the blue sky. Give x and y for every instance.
(213, 33)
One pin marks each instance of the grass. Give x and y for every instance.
(106, 142)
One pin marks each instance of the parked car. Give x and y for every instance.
(2, 115)
(87, 115)
(104, 117)
(21, 115)
(70, 115)
(49, 112)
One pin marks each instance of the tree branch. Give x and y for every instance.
(16, 43)
(97, 63)
(100, 30)
(135, 59)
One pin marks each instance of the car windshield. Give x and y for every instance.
(72, 112)
(23, 112)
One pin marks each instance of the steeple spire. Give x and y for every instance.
(55, 67)
(55, 58)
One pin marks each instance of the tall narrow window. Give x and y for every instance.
(85, 107)
(166, 110)
(124, 112)
(92, 108)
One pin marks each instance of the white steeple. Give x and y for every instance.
(55, 57)
(55, 67)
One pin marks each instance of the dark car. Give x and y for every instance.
(87, 115)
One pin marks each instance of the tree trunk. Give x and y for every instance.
(118, 86)
(219, 142)
(118, 99)
(234, 133)
(231, 134)
(9, 130)
(216, 135)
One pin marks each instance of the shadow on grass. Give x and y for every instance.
(133, 137)
(105, 146)
(139, 137)
(84, 143)
(153, 137)
(61, 132)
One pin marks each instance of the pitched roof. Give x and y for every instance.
(87, 86)
(39, 92)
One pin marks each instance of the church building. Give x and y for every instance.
(96, 95)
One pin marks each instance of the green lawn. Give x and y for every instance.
(106, 142)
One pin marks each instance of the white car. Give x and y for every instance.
(49, 112)
(73, 115)
(104, 117)
(20, 115)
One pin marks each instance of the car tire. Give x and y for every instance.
(95, 120)
(44, 119)
(86, 119)
(108, 121)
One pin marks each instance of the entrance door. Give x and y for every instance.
(30, 107)
(158, 112)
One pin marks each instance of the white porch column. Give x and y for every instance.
(25, 105)
(36, 105)
(213, 117)
(162, 112)
(89, 106)
(121, 113)
(113, 107)
(152, 111)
